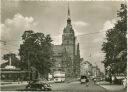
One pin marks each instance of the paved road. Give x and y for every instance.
(77, 87)
(66, 87)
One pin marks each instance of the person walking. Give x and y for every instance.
(18, 80)
(87, 82)
(124, 82)
(94, 79)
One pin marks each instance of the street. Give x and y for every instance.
(77, 87)
(68, 87)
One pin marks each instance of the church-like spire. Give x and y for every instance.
(68, 11)
(68, 20)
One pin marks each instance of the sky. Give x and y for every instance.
(49, 17)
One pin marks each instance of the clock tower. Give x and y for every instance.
(68, 38)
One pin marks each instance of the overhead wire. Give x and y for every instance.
(51, 37)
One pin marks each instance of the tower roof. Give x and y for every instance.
(68, 16)
(68, 11)
(68, 28)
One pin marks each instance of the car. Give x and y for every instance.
(83, 79)
(124, 81)
(35, 87)
(38, 86)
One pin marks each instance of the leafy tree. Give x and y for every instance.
(14, 60)
(116, 44)
(36, 51)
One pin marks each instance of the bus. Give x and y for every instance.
(59, 77)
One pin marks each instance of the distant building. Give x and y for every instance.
(67, 55)
(95, 71)
(86, 68)
(89, 70)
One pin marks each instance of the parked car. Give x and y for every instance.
(38, 86)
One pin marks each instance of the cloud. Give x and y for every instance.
(109, 24)
(80, 23)
(12, 30)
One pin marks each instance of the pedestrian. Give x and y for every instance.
(21, 80)
(94, 79)
(124, 82)
(87, 82)
(113, 78)
(18, 80)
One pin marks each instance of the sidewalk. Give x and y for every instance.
(4, 84)
(110, 87)
(113, 87)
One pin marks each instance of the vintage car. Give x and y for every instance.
(83, 79)
(38, 86)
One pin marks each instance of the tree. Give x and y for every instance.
(116, 43)
(36, 51)
(14, 60)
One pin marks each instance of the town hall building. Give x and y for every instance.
(67, 55)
